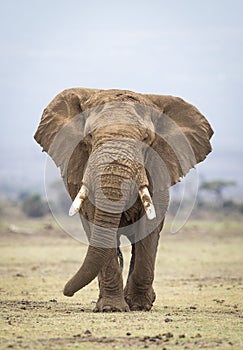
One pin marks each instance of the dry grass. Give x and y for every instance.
(198, 284)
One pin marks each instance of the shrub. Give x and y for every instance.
(34, 206)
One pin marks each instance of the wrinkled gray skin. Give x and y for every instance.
(126, 141)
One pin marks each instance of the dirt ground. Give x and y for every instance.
(198, 284)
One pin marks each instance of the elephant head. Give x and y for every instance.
(119, 152)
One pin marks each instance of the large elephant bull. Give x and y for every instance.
(119, 152)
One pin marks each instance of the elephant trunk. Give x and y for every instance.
(112, 181)
(102, 247)
(103, 241)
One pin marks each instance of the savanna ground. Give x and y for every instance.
(198, 284)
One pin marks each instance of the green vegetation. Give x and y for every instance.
(34, 206)
(217, 187)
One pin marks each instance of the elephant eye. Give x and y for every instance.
(89, 136)
(90, 133)
(146, 137)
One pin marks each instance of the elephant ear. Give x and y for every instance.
(61, 132)
(182, 135)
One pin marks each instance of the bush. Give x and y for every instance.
(33, 206)
(229, 205)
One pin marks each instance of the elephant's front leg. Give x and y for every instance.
(139, 292)
(111, 297)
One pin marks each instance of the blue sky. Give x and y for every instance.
(191, 49)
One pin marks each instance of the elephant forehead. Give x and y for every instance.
(115, 132)
(117, 114)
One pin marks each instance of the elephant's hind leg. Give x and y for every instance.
(111, 297)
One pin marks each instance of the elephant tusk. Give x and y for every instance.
(147, 202)
(78, 201)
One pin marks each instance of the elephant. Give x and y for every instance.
(119, 152)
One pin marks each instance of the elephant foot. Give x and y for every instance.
(140, 301)
(109, 304)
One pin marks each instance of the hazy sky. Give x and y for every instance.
(191, 48)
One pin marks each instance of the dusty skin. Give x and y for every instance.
(110, 145)
(198, 283)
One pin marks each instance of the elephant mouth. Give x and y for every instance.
(143, 194)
